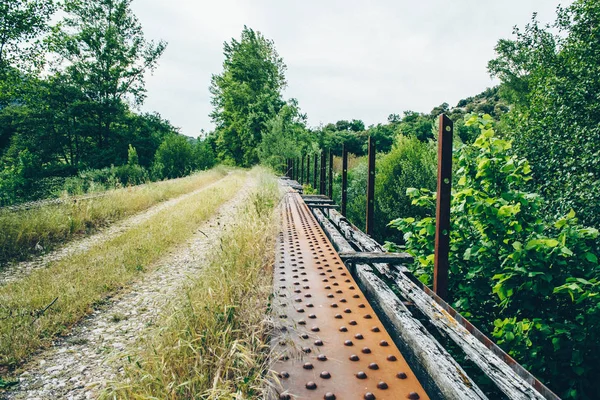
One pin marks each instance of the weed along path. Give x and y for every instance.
(17, 271)
(80, 364)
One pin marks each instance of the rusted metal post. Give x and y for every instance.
(442, 214)
(344, 180)
(323, 169)
(330, 174)
(302, 169)
(371, 188)
(293, 168)
(315, 173)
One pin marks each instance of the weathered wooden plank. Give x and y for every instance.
(340, 243)
(418, 345)
(322, 205)
(493, 366)
(377, 257)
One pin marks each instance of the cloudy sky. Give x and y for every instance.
(346, 59)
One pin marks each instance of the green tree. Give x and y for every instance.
(284, 137)
(553, 80)
(246, 95)
(21, 22)
(174, 157)
(103, 46)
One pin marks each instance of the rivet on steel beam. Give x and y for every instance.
(361, 375)
(401, 375)
(311, 385)
(325, 375)
(413, 396)
(369, 396)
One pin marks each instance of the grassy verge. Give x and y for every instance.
(212, 342)
(23, 231)
(83, 280)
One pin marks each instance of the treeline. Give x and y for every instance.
(68, 95)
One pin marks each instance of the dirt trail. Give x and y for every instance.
(17, 271)
(79, 365)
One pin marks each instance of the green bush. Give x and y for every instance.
(411, 163)
(531, 283)
(174, 157)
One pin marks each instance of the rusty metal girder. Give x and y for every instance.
(329, 344)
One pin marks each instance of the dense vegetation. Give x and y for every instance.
(67, 98)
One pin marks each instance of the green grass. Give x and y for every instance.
(22, 231)
(212, 342)
(84, 280)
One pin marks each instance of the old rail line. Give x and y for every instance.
(330, 343)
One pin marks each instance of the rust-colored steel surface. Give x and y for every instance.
(330, 343)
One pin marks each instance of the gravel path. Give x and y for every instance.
(17, 271)
(79, 365)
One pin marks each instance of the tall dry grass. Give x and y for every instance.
(21, 232)
(81, 281)
(212, 342)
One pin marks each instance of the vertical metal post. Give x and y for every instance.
(330, 174)
(315, 173)
(302, 169)
(344, 179)
(371, 188)
(293, 169)
(323, 169)
(442, 214)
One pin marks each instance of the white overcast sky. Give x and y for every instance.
(346, 59)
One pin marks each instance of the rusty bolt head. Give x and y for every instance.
(318, 342)
(392, 358)
(325, 375)
(366, 350)
(307, 366)
(384, 343)
(359, 336)
(401, 375)
(343, 329)
(284, 396)
(354, 357)
(353, 322)
(373, 366)
(375, 329)
(413, 396)
(369, 396)
(329, 396)
(361, 375)
(311, 385)
(382, 385)
(348, 343)
(284, 374)
(322, 357)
